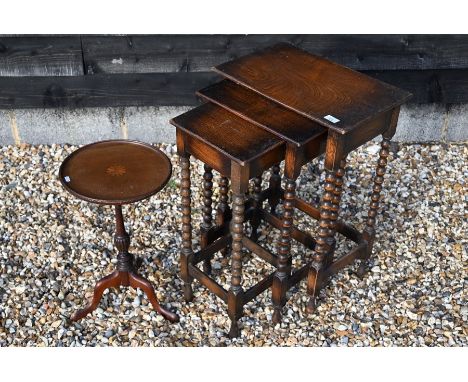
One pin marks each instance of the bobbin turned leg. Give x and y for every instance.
(369, 231)
(223, 213)
(316, 277)
(236, 292)
(275, 188)
(339, 173)
(257, 205)
(207, 213)
(186, 252)
(281, 277)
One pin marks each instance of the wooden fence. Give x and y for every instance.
(85, 70)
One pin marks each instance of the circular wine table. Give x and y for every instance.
(117, 172)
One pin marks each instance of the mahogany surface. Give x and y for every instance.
(314, 86)
(286, 124)
(115, 172)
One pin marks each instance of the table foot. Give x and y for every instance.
(137, 281)
(276, 318)
(363, 268)
(312, 305)
(111, 281)
(234, 330)
(188, 292)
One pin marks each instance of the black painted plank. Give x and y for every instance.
(429, 86)
(193, 53)
(164, 89)
(41, 56)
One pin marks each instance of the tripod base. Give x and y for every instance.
(124, 278)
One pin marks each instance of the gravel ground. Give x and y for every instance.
(54, 247)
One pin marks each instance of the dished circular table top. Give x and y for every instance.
(115, 172)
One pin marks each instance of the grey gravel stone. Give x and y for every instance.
(413, 296)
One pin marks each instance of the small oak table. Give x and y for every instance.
(117, 172)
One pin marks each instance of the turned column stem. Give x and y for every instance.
(186, 251)
(223, 205)
(369, 231)
(283, 271)
(236, 291)
(322, 249)
(275, 188)
(257, 205)
(207, 213)
(122, 242)
(334, 212)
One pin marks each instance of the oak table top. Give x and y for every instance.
(330, 94)
(239, 139)
(285, 123)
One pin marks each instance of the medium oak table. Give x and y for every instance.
(313, 107)
(353, 108)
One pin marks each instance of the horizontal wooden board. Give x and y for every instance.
(100, 90)
(164, 89)
(194, 53)
(41, 56)
(428, 86)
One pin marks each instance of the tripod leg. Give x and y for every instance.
(110, 281)
(137, 281)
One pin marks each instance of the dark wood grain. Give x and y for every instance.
(313, 86)
(163, 89)
(237, 138)
(267, 114)
(178, 89)
(41, 56)
(167, 69)
(194, 53)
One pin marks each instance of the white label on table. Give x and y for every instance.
(67, 179)
(331, 118)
